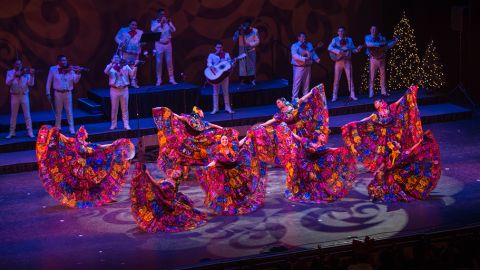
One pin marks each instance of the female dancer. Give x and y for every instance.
(186, 140)
(407, 174)
(234, 181)
(78, 173)
(389, 143)
(157, 206)
(309, 122)
(316, 173)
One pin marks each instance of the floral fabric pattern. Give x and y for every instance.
(156, 207)
(412, 175)
(78, 173)
(236, 184)
(185, 144)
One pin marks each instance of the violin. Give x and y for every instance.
(75, 69)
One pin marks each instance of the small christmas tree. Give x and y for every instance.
(403, 61)
(431, 75)
(366, 79)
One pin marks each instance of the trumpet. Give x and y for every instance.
(27, 71)
(124, 62)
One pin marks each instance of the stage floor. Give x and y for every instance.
(38, 233)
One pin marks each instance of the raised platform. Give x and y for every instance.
(40, 118)
(247, 95)
(180, 98)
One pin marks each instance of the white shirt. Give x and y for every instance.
(132, 43)
(166, 29)
(336, 47)
(118, 79)
(298, 58)
(61, 81)
(19, 85)
(214, 59)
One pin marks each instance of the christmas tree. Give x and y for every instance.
(403, 61)
(431, 75)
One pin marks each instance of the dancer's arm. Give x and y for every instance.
(305, 97)
(214, 126)
(413, 148)
(269, 122)
(212, 164)
(182, 118)
(242, 141)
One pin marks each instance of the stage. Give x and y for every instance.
(38, 233)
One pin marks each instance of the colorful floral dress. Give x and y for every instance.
(236, 184)
(367, 139)
(78, 173)
(185, 144)
(407, 176)
(371, 140)
(156, 207)
(312, 120)
(309, 123)
(319, 174)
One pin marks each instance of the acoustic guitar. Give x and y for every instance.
(217, 73)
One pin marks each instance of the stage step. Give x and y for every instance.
(48, 117)
(246, 95)
(180, 98)
(89, 106)
(242, 119)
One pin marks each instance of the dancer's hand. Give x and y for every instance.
(211, 164)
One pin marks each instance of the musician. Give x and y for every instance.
(128, 40)
(118, 78)
(214, 58)
(343, 47)
(248, 39)
(164, 46)
(376, 47)
(61, 78)
(303, 54)
(19, 79)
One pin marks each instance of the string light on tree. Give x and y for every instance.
(431, 75)
(403, 61)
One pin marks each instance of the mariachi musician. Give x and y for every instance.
(248, 39)
(213, 59)
(341, 49)
(62, 77)
(19, 79)
(129, 47)
(377, 45)
(303, 55)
